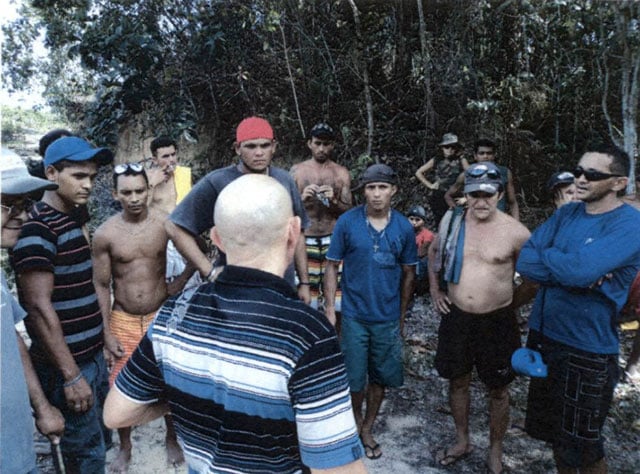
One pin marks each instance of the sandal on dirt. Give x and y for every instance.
(372, 450)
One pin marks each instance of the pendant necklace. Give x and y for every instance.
(376, 236)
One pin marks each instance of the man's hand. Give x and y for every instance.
(330, 313)
(327, 191)
(79, 396)
(157, 175)
(304, 293)
(309, 192)
(433, 186)
(461, 201)
(50, 423)
(440, 300)
(112, 350)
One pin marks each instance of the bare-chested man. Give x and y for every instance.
(325, 187)
(129, 250)
(476, 250)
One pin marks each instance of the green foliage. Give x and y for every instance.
(528, 74)
(17, 122)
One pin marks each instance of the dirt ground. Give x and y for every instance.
(414, 421)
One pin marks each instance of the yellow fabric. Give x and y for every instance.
(182, 178)
(630, 326)
(129, 329)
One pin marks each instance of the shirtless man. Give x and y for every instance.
(478, 326)
(484, 150)
(325, 188)
(164, 196)
(129, 250)
(164, 162)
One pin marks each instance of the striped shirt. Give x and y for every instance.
(52, 241)
(254, 378)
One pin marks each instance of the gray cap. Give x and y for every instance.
(483, 177)
(449, 139)
(378, 173)
(16, 179)
(417, 211)
(560, 178)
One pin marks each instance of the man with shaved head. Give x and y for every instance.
(238, 360)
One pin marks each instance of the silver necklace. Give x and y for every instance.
(376, 235)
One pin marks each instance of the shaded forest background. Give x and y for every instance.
(541, 78)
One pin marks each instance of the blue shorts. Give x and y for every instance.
(372, 350)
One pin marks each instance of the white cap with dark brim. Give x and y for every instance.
(16, 179)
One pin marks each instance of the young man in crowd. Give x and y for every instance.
(52, 260)
(477, 255)
(238, 361)
(129, 255)
(377, 246)
(18, 380)
(255, 146)
(325, 187)
(584, 261)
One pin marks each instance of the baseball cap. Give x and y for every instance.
(526, 361)
(484, 177)
(561, 177)
(76, 149)
(16, 179)
(449, 139)
(378, 173)
(323, 130)
(417, 211)
(252, 128)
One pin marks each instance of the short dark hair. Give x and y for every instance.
(50, 137)
(484, 142)
(62, 164)
(162, 142)
(620, 163)
(129, 172)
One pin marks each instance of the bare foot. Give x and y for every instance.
(494, 466)
(175, 457)
(453, 454)
(371, 447)
(120, 465)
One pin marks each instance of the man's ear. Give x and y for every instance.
(236, 147)
(215, 238)
(394, 189)
(620, 183)
(51, 173)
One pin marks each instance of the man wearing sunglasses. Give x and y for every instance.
(584, 258)
(484, 151)
(52, 259)
(476, 251)
(129, 256)
(17, 453)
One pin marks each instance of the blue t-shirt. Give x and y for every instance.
(372, 272)
(17, 454)
(567, 255)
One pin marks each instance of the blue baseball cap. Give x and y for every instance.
(526, 361)
(76, 149)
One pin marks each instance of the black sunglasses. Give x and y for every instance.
(124, 167)
(480, 171)
(591, 175)
(18, 207)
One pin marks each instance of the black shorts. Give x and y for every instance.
(570, 405)
(485, 341)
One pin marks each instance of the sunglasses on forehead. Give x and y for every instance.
(124, 167)
(481, 171)
(591, 175)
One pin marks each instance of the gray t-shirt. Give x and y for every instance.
(195, 211)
